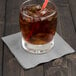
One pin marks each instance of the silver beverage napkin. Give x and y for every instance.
(28, 60)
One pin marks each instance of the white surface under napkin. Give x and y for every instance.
(28, 60)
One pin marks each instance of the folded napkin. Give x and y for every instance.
(28, 60)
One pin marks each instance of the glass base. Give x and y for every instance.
(37, 49)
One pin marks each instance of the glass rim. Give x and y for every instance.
(42, 18)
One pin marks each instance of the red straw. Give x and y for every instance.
(44, 4)
(43, 7)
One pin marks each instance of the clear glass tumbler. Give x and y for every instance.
(37, 26)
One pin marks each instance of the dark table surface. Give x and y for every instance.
(9, 24)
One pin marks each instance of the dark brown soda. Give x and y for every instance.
(37, 31)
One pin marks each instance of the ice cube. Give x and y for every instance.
(33, 9)
(38, 7)
(35, 15)
(43, 12)
(30, 13)
(36, 19)
(50, 18)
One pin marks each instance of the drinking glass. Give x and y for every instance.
(37, 26)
